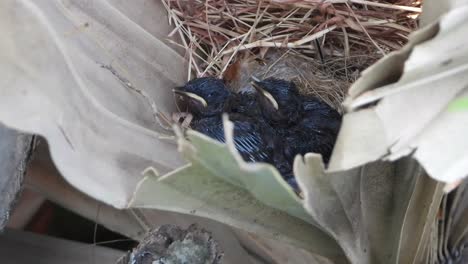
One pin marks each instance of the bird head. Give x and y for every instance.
(204, 96)
(279, 100)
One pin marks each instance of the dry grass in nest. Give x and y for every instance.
(320, 44)
(327, 80)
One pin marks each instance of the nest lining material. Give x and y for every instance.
(321, 45)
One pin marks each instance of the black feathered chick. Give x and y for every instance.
(321, 123)
(305, 124)
(205, 97)
(244, 103)
(208, 97)
(279, 101)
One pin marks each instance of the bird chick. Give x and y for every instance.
(306, 124)
(204, 96)
(319, 125)
(279, 101)
(207, 98)
(245, 103)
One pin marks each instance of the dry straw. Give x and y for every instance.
(335, 38)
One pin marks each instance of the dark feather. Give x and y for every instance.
(248, 137)
(315, 132)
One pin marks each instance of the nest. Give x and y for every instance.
(322, 45)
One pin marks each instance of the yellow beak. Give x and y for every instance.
(258, 86)
(191, 95)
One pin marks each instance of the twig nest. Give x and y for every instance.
(328, 80)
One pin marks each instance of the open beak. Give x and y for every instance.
(258, 86)
(192, 96)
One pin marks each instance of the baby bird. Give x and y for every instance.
(320, 122)
(207, 98)
(279, 101)
(244, 103)
(306, 124)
